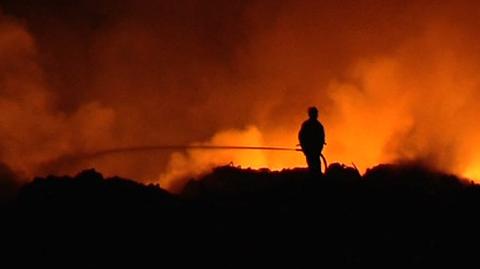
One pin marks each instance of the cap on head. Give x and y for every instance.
(313, 112)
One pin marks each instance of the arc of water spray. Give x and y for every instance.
(187, 147)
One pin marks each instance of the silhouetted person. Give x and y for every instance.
(312, 139)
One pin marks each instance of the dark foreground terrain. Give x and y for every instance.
(392, 216)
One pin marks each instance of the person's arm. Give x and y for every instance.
(301, 134)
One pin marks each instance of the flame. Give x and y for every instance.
(399, 84)
(194, 162)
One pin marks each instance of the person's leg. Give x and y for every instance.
(313, 161)
(316, 165)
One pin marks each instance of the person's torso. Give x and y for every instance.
(312, 133)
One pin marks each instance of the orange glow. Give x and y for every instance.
(400, 84)
(194, 162)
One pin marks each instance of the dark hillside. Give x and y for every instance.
(392, 215)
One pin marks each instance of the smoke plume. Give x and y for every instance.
(393, 81)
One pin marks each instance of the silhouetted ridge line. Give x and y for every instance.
(394, 214)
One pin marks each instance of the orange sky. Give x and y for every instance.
(394, 81)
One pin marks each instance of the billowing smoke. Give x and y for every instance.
(194, 162)
(393, 81)
(32, 131)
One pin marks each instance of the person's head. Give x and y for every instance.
(313, 112)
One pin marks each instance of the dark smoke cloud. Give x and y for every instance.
(116, 73)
